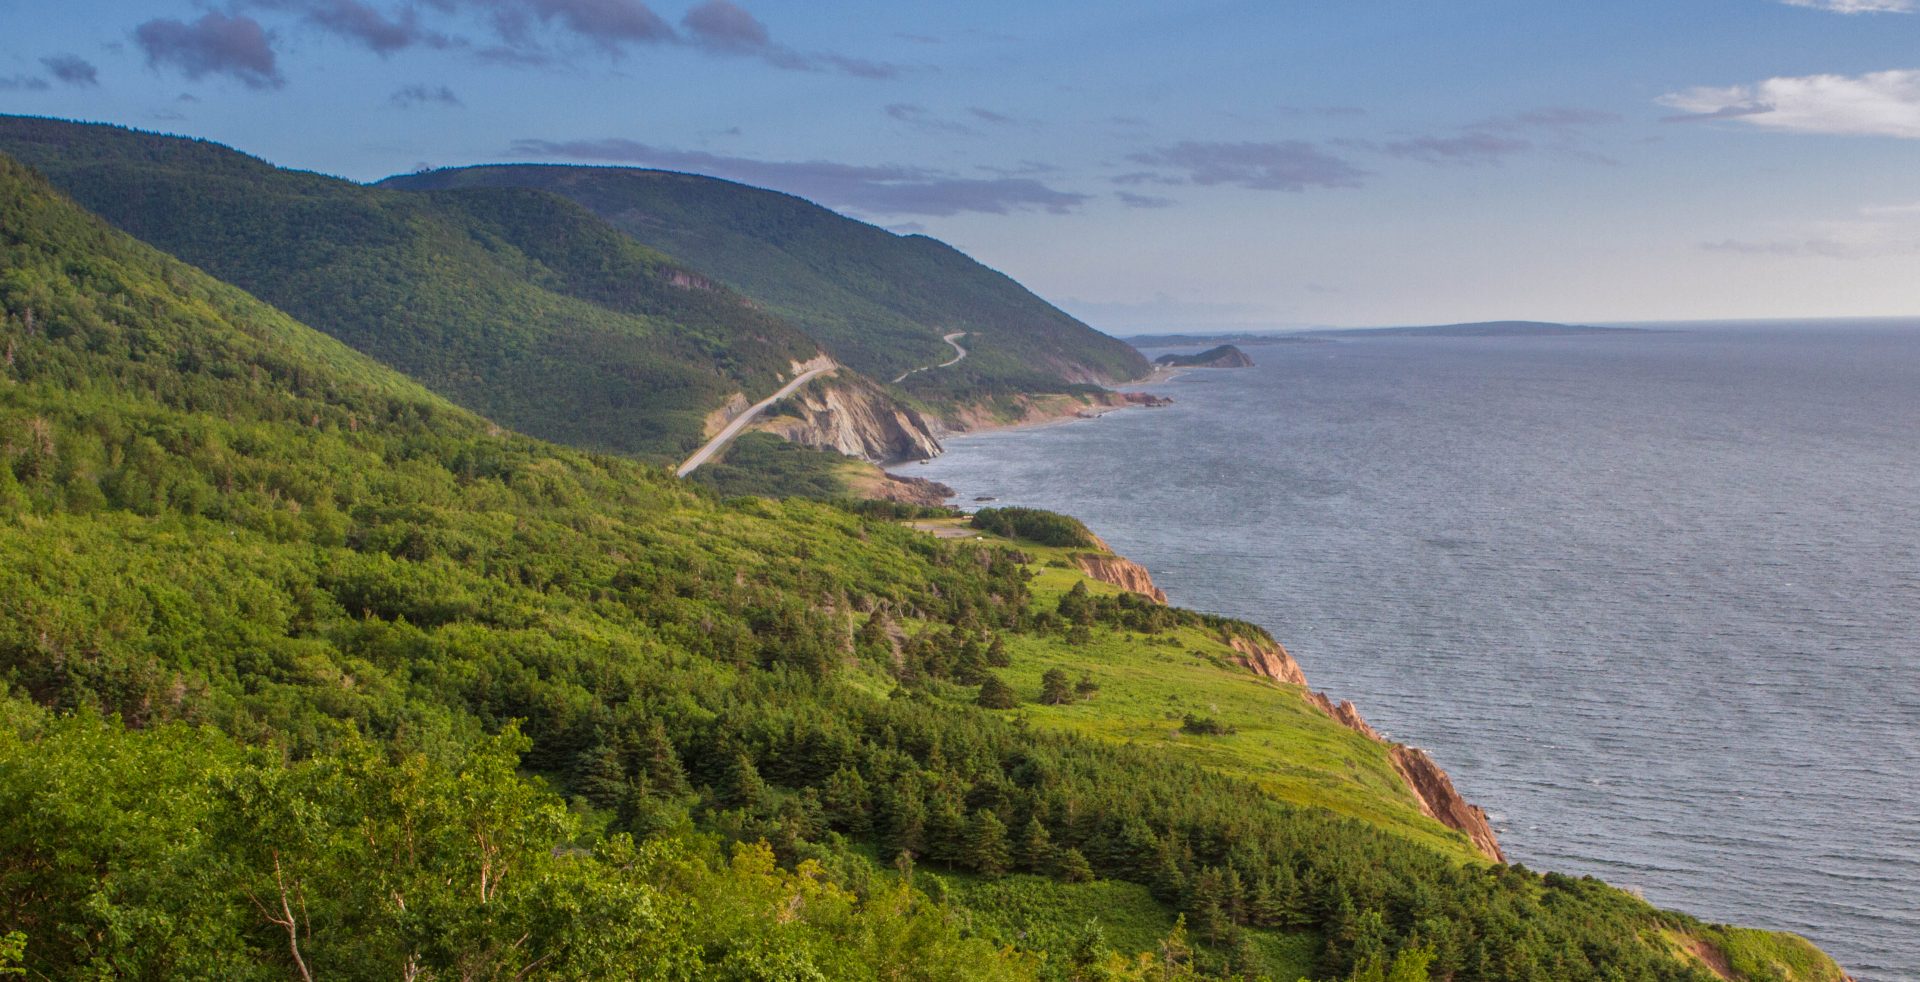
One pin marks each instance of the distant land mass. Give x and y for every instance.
(1222, 356)
(1477, 329)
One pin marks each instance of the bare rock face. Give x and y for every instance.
(1439, 800)
(1121, 572)
(1430, 785)
(853, 416)
(719, 418)
(1272, 662)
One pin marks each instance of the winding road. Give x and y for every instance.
(959, 353)
(725, 436)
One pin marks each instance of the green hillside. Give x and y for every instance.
(880, 302)
(307, 671)
(516, 304)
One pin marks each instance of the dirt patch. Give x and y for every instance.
(1713, 958)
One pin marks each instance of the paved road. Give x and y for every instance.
(725, 436)
(959, 353)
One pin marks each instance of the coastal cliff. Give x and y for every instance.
(855, 417)
(1121, 572)
(1438, 798)
(1431, 787)
(1004, 412)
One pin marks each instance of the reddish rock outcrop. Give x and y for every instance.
(1272, 662)
(1121, 572)
(1348, 715)
(1431, 786)
(1439, 800)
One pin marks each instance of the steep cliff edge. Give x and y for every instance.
(853, 416)
(1431, 786)
(1121, 572)
(1441, 801)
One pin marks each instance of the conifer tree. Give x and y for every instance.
(987, 852)
(1055, 689)
(1036, 847)
(1074, 867)
(995, 694)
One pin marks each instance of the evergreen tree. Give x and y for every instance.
(1086, 688)
(1075, 606)
(970, 664)
(997, 655)
(1074, 867)
(996, 694)
(1055, 688)
(660, 762)
(987, 852)
(847, 803)
(744, 788)
(601, 778)
(1036, 847)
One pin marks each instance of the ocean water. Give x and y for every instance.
(1653, 599)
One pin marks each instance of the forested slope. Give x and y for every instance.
(880, 302)
(517, 304)
(310, 672)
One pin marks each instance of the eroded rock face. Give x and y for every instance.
(853, 417)
(1430, 785)
(1439, 799)
(1121, 572)
(1272, 662)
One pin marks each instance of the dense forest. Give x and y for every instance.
(879, 302)
(517, 304)
(309, 672)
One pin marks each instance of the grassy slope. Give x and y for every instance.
(1284, 744)
(211, 513)
(1148, 685)
(880, 302)
(516, 304)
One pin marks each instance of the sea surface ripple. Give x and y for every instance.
(1652, 598)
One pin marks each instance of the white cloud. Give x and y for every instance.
(1875, 104)
(1856, 6)
(1876, 231)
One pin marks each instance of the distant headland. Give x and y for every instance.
(1477, 329)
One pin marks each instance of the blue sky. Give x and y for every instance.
(1146, 165)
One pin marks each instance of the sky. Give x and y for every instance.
(1147, 166)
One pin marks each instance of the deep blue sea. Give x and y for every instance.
(1652, 598)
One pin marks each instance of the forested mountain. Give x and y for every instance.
(880, 302)
(517, 304)
(309, 673)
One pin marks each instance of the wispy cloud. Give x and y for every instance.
(548, 32)
(1857, 6)
(1288, 165)
(1873, 231)
(725, 28)
(426, 95)
(24, 83)
(1133, 200)
(879, 189)
(216, 44)
(361, 22)
(1558, 129)
(72, 69)
(1875, 104)
(1466, 148)
(923, 119)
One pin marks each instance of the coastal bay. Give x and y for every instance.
(1638, 593)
